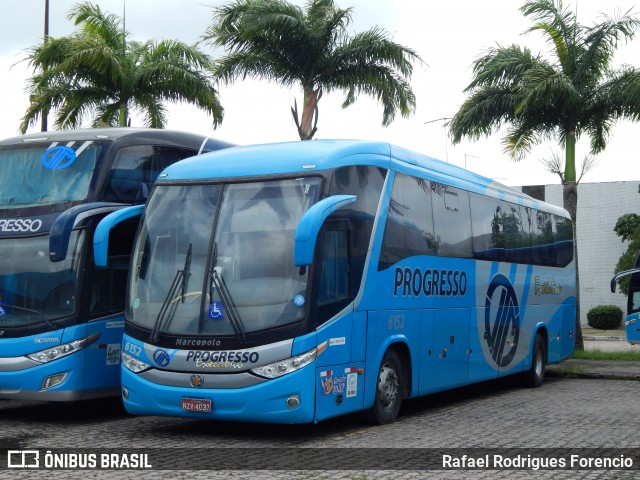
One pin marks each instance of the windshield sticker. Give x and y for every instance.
(298, 300)
(2, 312)
(216, 311)
(136, 303)
(57, 158)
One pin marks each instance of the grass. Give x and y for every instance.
(629, 356)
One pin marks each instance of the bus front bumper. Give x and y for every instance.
(61, 380)
(286, 400)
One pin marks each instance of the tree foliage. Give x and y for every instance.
(575, 92)
(97, 72)
(628, 229)
(283, 43)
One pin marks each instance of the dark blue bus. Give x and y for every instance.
(61, 316)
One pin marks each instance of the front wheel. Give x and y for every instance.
(389, 388)
(535, 376)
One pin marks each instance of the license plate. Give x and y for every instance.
(196, 405)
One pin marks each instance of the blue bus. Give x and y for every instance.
(61, 317)
(291, 283)
(632, 321)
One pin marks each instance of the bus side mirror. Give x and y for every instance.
(617, 276)
(67, 220)
(101, 237)
(311, 223)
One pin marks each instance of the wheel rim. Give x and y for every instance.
(388, 386)
(539, 368)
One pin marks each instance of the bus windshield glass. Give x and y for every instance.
(226, 268)
(32, 288)
(35, 174)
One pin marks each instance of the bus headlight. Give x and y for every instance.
(283, 367)
(59, 351)
(133, 364)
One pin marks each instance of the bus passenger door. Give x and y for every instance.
(105, 304)
(339, 385)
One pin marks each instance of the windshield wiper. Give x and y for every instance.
(170, 305)
(216, 280)
(22, 309)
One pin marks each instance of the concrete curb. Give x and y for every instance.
(604, 337)
(594, 369)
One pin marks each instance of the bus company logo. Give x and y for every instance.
(502, 320)
(197, 380)
(57, 158)
(161, 357)
(20, 225)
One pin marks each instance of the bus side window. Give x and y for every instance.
(542, 239)
(334, 267)
(334, 274)
(562, 240)
(634, 302)
(451, 221)
(135, 168)
(488, 228)
(409, 228)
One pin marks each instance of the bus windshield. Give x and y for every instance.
(35, 174)
(226, 268)
(32, 288)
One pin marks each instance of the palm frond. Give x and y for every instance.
(501, 66)
(483, 112)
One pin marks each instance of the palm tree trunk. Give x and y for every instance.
(570, 202)
(311, 97)
(122, 121)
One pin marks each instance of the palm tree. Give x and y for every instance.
(575, 93)
(97, 72)
(278, 41)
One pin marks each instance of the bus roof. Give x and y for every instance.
(115, 134)
(308, 156)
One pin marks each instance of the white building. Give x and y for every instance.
(599, 248)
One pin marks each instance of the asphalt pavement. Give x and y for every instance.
(607, 369)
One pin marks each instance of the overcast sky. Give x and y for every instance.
(448, 35)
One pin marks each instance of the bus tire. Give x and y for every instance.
(389, 388)
(534, 377)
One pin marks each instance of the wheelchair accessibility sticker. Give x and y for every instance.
(216, 311)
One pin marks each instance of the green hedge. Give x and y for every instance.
(605, 317)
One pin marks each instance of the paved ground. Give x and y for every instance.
(499, 416)
(574, 409)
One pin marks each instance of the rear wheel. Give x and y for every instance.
(389, 388)
(535, 376)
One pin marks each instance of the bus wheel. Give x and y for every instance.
(388, 390)
(535, 376)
